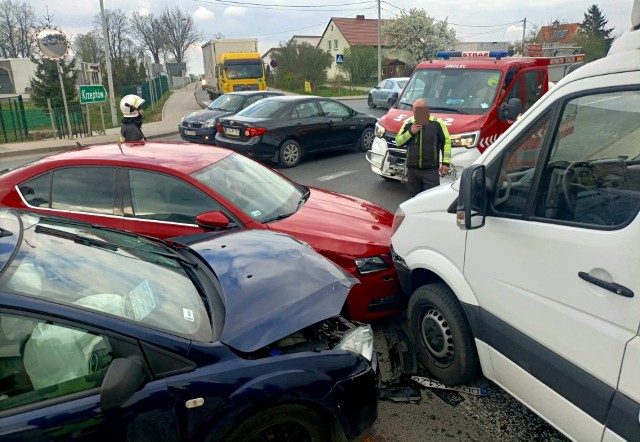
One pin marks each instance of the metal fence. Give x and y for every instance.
(79, 127)
(13, 121)
(150, 91)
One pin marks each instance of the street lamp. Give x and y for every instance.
(112, 98)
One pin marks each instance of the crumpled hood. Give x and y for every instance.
(205, 114)
(274, 285)
(456, 123)
(329, 216)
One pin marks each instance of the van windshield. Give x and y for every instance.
(461, 91)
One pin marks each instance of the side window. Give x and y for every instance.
(252, 100)
(335, 44)
(382, 84)
(329, 45)
(534, 81)
(42, 361)
(306, 109)
(163, 198)
(36, 191)
(84, 189)
(333, 109)
(592, 175)
(517, 167)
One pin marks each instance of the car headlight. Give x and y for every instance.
(468, 140)
(210, 123)
(371, 264)
(379, 131)
(359, 340)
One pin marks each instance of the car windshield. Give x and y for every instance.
(99, 269)
(244, 70)
(463, 91)
(262, 109)
(227, 102)
(253, 188)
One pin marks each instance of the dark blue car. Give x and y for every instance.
(200, 126)
(106, 335)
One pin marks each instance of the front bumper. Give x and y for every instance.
(387, 161)
(198, 135)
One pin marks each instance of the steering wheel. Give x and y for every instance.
(505, 188)
(568, 178)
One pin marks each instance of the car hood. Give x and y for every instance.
(456, 123)
(274, 285)
(328, 217)
(204, 115)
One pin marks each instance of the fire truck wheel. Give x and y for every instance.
(443, 339)
(370, 102)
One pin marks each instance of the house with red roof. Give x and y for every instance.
(557, 34)
(342, 33)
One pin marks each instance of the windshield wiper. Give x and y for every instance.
(303, 199)
(448, 109)
(76, 238)
(278, 218)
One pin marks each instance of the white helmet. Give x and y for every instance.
(130, 104)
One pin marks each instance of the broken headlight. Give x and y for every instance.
(371, 264)
(359, 340)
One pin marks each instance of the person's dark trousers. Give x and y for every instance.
(422, 179)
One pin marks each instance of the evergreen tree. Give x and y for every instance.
(593, 36)
(46, 83)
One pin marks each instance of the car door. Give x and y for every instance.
(389, 88)
(552, 267)
(378, 93)
(343, 130)
(51, 378)
(87, 193)
(164, 206)
(310, 125)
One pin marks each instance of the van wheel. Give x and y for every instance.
(366, 139)
(290, 154)
(370, 102)
(442, 336)
(281, 423)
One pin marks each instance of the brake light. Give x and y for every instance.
(219, 128)
(251, 132)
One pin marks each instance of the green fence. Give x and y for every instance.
(160, 85)
(13, 121)
(77, 118)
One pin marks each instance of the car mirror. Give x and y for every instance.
(510, 111)
(393, 99)
(212, 220)
(123, 378)
(472, 200)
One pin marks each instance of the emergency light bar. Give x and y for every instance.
(475, 54)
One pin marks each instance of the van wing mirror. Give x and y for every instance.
(510, 111)
(472, 201)
(393, 99)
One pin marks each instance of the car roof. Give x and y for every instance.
(179, 156)
(289, 98)
(398, 78)
(274, 93)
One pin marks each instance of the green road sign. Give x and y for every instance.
(92, 94)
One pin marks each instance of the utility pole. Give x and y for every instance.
(524, 30)
(379, 48)
(112, 93)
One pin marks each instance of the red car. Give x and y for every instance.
(172, 189)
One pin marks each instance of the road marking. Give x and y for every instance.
(333, 176)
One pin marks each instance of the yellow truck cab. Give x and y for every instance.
(241, 71)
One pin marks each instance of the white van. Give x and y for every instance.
(539, 288)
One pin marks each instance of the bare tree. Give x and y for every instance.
(180, 31)
(26, 25)
(118, 30)
(87, 47)
(149, 31)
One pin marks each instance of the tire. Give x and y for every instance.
(290, 154)
(442, 336)
(370, 102)
(366, 139)
(282, 423)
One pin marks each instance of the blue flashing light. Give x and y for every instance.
(498, 54)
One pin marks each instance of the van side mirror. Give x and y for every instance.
(472, 202)
(212, 220)
(392, 99)
(510, 111)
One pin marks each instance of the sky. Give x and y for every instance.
(271, 21)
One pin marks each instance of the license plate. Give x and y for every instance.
(191, 133)
(232, 132)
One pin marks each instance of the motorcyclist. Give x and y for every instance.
(132, 112)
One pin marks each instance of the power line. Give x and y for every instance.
(302, 8)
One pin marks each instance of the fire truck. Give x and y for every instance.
(472, 93)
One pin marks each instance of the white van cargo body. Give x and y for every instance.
(527, 269)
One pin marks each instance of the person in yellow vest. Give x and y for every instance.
(425, 143)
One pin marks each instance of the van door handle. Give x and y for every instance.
(611, 286)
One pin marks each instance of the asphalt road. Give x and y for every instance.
(435, 417)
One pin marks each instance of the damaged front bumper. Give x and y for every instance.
(388, 162)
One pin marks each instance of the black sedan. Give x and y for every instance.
(284, 129)
(200, 126)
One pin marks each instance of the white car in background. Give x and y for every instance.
(383, 93)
